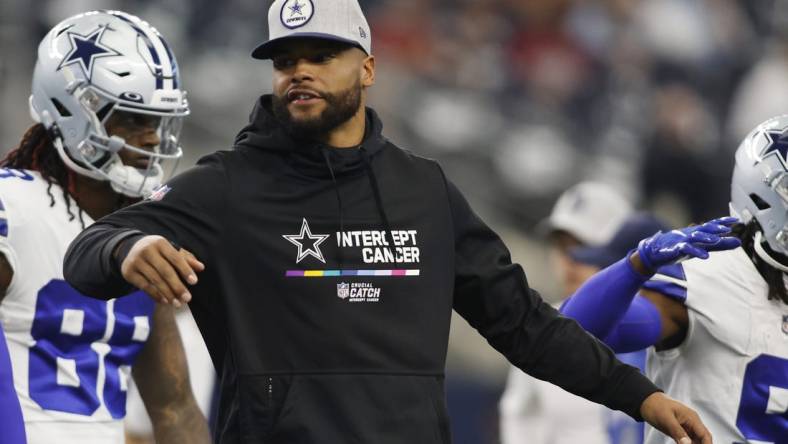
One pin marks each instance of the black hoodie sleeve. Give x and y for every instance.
(187, 212)
(492, 294)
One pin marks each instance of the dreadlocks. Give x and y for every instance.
(772, 276)
(37, 152)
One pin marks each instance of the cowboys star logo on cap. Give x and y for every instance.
(338, 20)
(85, 49)
(296, 13)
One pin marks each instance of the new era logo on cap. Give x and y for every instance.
(338, 20)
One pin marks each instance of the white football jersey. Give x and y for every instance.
(71, 355)
(537, 412)
(732, 368)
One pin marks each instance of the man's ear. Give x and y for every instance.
(368, 71)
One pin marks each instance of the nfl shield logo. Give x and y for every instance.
(159, 193)
(785, 324)
(343, 291)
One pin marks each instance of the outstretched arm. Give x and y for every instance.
(134, 247)
(162, 376)
(608, 305)
(492, 294)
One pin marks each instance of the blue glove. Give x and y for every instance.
(696, 241)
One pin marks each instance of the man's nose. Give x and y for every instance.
(149, 138)
(303, 71)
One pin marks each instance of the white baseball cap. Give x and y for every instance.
(590, 211)
(338, 20)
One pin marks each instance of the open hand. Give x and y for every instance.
(674, 419)
(154, 266)
(695, 241)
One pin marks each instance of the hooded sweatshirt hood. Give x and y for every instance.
(264, 132)
(317, 160)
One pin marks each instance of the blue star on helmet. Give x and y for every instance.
(85, 49)
(778, 146)
(296, 8)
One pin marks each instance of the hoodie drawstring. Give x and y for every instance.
(376, 191)
(340, 256)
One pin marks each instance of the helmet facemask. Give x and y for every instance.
(100, 154)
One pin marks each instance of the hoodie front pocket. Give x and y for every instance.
(262, 399)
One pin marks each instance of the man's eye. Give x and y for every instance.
(283, 63)
(322, 58)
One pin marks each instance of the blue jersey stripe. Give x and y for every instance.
(3, 227)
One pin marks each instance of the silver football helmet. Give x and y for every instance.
(98, 63)
(759, 189)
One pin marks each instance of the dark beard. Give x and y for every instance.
(340, 107)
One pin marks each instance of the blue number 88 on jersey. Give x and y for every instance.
(81, 347)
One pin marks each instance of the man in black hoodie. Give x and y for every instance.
(329, 261)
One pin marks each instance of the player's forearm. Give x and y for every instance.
(162, 376)
(89, 265)
(179, 423)
(639, 328)
(602, 301)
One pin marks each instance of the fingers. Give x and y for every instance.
(712, 228)
(693, 425)
(138, 280)
(192, 260)
(672, 428)
(702, 237)
(698, 432)
(713, 241)
(692, 250)
(724, 243)
(721, 225)
(729, 243)
(184, 268)
(727, 220)
(158, 285)
(690, 427)
(155, 266)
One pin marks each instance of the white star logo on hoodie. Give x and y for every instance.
(306, 237)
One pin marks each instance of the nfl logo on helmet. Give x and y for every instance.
(343, 290)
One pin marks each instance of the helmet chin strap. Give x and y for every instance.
(124, 179)
(131, 182)
(761, 252)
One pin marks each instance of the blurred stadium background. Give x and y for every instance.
(518, 99)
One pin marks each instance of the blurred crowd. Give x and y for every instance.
(518, 99)
(524, 98)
